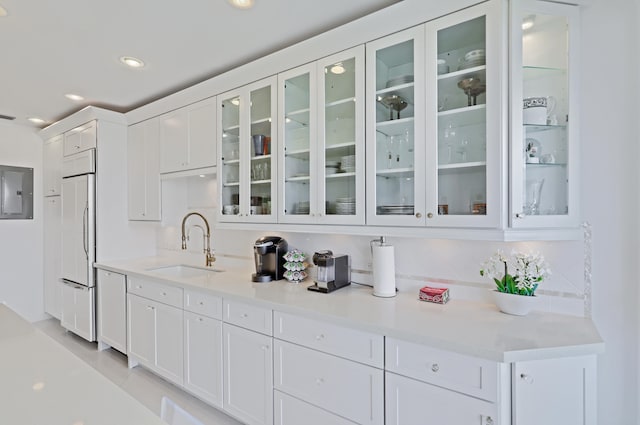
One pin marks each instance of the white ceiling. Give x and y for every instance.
(51, 48)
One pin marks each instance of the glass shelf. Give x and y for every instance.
(476, 71)
(340, 175)
(460, 165)
(395, 173)
(535, 72)
(260, 157)
(536, 128)
(231, 184)
(544, 165)
(298, 153)
(298, 179)
(268, 181)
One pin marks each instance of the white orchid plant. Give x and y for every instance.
(529, 269)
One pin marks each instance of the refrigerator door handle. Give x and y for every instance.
(85, 240)
(72, 284)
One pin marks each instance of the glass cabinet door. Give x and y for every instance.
(341, 114)
(544, 190)
(248, 168)
(463, 92)
(297, 100)
(395, 129)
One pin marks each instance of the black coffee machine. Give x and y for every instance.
(269, 252)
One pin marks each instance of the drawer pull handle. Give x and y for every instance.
(265, 347)
(138, 286)
(435, 368)
(164, 293)
(201, 303)
(150, 307)
(244, 315)
(319, 381)
(526, 378)
(319, 337)
(200, 319)
(488, 421)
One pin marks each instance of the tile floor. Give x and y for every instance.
(143, 385)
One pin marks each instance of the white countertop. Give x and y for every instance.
(43, 383)
(466, 327)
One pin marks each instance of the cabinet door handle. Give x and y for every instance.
(435, 367)
(429, 215)
(201, 303)
(520, 215)
(526, 378)
(488, 420)
(319, 337)
(150, 307)
(244, 315)
(265, 347)
(418, 215)
(319, 381)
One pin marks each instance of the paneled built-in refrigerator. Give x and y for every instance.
(79, 244)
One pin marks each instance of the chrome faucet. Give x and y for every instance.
(209, 257)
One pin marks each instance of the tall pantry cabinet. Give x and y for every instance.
(52, 218)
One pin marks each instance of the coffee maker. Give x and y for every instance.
(269, 251)
(334, 271)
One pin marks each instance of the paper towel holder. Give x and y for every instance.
(384, 283)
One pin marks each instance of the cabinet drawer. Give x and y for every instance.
(156, 291)
(348, 389)
(248, 316)
(352, 344)
(291, 411)
(468, 375)
(205, 304)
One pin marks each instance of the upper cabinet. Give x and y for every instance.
(247, 141)
(143, 176)
(52, 167)
(435, 109)
(188, 137)
(544, 105)
(321, 158)
(395, 129)
(81, 138)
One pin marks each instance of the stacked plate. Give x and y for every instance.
(472, 59)
(331, 167)
(348, 164)
(302, 207)
(403, 79)
(346, 206)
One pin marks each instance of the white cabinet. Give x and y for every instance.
(410, 402)
(435, 97)
(247, 143)
(248, 375)
(52, 166)
(81, 138)
(555, 391)
(143, 171)
(289, 410)
(78, 310)
(52, 244)
(188, 137)
(321, 159)
(203, 346)
(155, 329)
(112, 310)
(544, 115)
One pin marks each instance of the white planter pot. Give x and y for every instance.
(518, 305)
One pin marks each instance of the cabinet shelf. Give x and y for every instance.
(546, 165)
(461, 166)
(299, 117)
(340, 175)
(340, 102)
(298, 179)
(405, 91)
(231, 184)
(393, 127)
(232, 162)
(256, 182)
(467, 115)
(534, 72)
(396, 173)
(476, 71)
(261, 121)
(298, 153)
(260, 157)
(231, 130)
(536, 128)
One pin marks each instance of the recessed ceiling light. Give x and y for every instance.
(242, 4)
(3, 11)
(132, 62)
(36, 120)
(74, 97)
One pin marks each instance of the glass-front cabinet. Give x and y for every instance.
(544, 119)
(247, 166)
(463, 131)
(322, 154)
(395, 129)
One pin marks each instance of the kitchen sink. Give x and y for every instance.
(182, 270)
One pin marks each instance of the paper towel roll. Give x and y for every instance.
(384, 271)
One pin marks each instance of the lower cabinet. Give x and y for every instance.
(248, 375)
(78, 310)
(203, 357)
(563, 391)
(411, 402)
(112, 310)
(289, 410)
(155, 337)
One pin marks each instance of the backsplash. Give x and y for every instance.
(418, 262)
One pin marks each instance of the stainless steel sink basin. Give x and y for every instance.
(182, 270)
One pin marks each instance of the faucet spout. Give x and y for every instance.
(209, 257)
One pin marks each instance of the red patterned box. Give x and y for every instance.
(434, 295)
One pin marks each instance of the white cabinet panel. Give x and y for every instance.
(157, 291)
(410, 402)
(248, 375)
(143, 171)
(52, 255)
(78, 310)
(112, 310)
(249, 316)
(188, 137)
(203, 357)
(169, 342)
(328, 381)
(204, 304)
(52, 166)
(141, 329)
(555, 391)
(80, 139)
(291, 411)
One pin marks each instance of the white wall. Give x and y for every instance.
(609, 142)
(21, 240)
